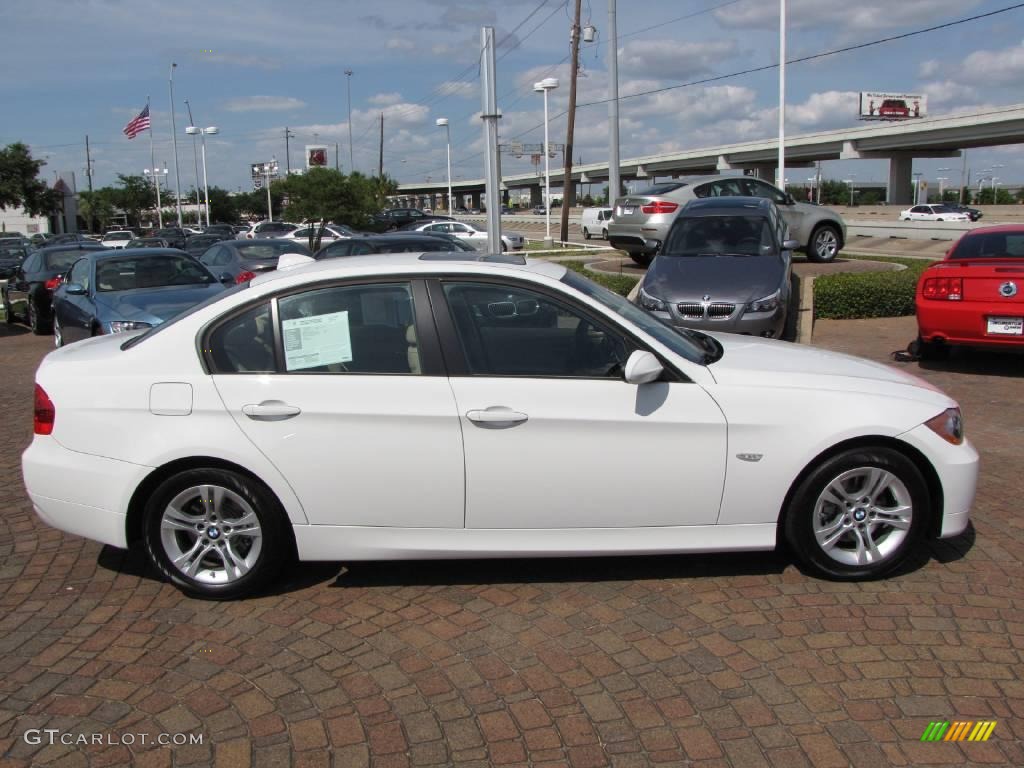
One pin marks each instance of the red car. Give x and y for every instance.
(975, 296)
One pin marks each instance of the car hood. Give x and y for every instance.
(724, 278)
(752, 361)
(152, 305)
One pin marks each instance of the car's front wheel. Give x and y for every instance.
(586, 233)
(859, 514)
(824, 245)
(215, 533)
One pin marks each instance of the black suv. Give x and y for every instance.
(396, 242)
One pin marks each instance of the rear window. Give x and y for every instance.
(119, 236)
(61, 260)
(662, 189)
(270, 249)
(991, 245)
(156, 271)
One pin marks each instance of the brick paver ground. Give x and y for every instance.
(719, 660)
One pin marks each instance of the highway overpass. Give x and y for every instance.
(897, 142)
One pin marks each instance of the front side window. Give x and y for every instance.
(506, 330)
(367, 329)
(759, 188)
(154, 271)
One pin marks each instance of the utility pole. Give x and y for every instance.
(287, 151)
(337, 165)
(88, 178)
(780, 180)
(614, 184)
(195, 159)
(963, 174)
(174, 144)
(567, 185)
(380, 159)
(351, 160)
(490, 116)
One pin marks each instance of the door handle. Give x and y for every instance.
(271, 410)
(496, 417)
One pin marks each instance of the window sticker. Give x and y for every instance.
(310, 342)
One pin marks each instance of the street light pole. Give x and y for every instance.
(212, 130)
(351, 162)
(174, 144)
(614, 184)
(442, 122)
(195, 160)
(545, 85)
(781, 178)
(154, 174)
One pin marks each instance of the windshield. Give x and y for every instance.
(683, 342)
(156, 271)
(719, 236)
(993, 245)
(270, 249)
(119, 236)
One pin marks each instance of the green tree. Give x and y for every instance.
(135, 194)
(97, 207)
(222, 206)
(323, 193)
(255, 203)
(20, 185)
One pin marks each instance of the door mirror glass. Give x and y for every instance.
(642, 368)
(790, 245)
(227, 278)
(74, 289)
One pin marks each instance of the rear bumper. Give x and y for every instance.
(957, 468)
(79, 493)
(955, 322)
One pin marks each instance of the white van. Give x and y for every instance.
(595, 222)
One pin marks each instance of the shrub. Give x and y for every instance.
(621, 284)
(869, 294)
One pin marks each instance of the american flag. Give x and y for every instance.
(138, 124)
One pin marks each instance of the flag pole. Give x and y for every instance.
(152, 166)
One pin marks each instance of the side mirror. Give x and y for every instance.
(74, 289)
(790, 245)
(789, 200)
(227, 278)
(642, 368)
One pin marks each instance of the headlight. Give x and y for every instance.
(949, 425)
(650, 303)
(765, 304)
(120, 326)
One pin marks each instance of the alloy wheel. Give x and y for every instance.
(211, 534)
(862, 516)
(826, 244)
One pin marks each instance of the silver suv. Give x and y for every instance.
(641, 221)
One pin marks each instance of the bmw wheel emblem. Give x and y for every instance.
(1008, 289)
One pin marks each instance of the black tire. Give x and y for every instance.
(586, 234)
(39, 326)
(58, 333)
(275, 537)
(604, 234)
(824, 244)
(940, 219)
(642, 259)
(799, 522)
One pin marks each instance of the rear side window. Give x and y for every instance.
(244, 343)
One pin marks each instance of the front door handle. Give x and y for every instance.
(496, 417)
(271, 410)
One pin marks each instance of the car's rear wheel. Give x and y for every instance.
(586, 234)
(215, 533)
(604, 234)
(643, 259)
(824, 245)
(35, 322)
(940, 219)
(859, 514)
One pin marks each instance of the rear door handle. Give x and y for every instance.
(497, 417)
(271, 410)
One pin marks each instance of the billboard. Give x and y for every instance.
(892, 106)
(316, 155)
(258, 174)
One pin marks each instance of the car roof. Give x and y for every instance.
(78, 245)
(426, 263)
(118, 253)
(721, 206)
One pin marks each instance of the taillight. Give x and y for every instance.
(943, 288)
(53, 282)
(659, 206)
(44, 413)
(244, 277)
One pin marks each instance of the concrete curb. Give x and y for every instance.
(805, 317)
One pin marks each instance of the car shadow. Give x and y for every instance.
(982, 362)
(12, 329)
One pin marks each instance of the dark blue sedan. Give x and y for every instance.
(126, 290)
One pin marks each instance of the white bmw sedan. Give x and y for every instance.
(432, 406)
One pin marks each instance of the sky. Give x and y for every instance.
(72, 68)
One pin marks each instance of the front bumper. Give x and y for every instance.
(957, 468)
(80, 493)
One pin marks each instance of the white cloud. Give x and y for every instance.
(264, 104)
(928, 68)
(457, 88)
(671, 59)
(400, 44)
(827, 109)
(948, 92)
(1005, 66)
(841, 14)
(385, 99)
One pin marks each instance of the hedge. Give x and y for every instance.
(869, 294)
(621, 284)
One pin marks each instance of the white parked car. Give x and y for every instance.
(932, 213)
(418, 406)
(118, 239)
(331, 233)
(510, 241)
